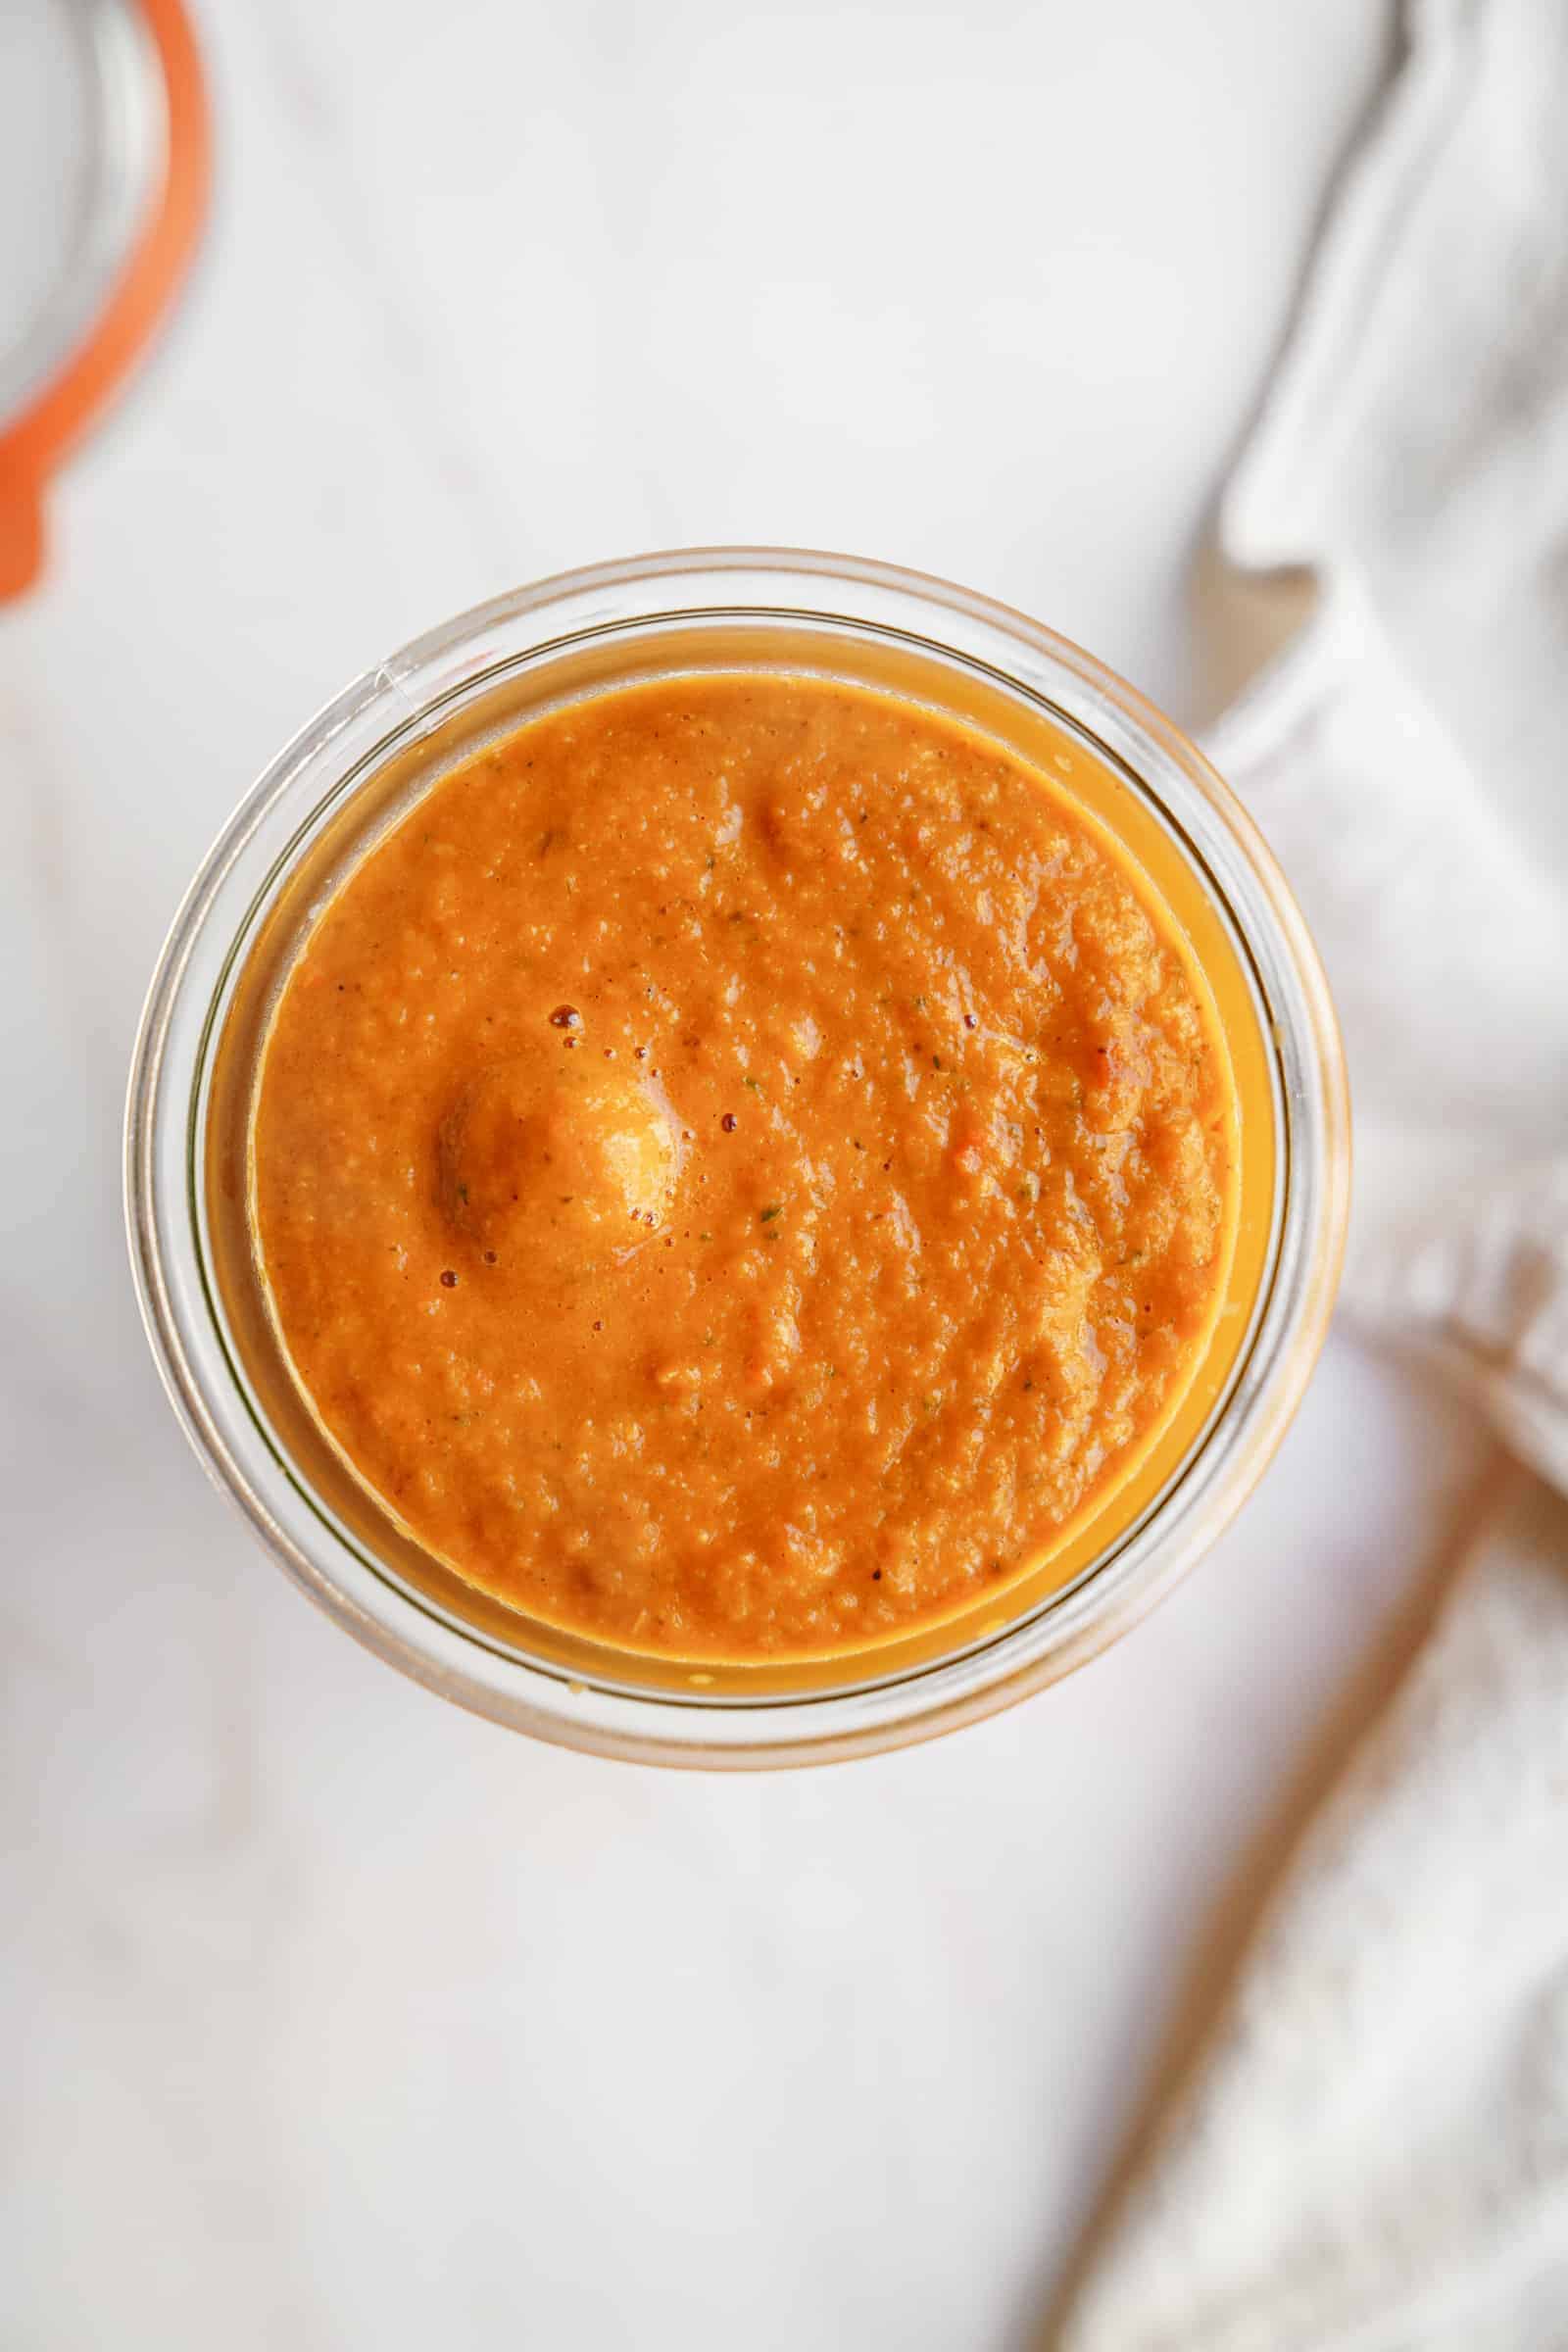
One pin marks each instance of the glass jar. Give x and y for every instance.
(353, 771)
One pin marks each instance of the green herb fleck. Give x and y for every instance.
(773, 1209)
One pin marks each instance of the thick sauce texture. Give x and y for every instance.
(741, 1165)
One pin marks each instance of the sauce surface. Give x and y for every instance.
(741, 1165)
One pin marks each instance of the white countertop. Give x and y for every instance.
(347, 2020)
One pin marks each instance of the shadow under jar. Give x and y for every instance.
(354, 774)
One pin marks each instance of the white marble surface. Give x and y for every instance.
(341, 2018)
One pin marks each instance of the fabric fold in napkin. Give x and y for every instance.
(1372, 2155)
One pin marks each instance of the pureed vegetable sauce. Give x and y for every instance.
(742, 1165)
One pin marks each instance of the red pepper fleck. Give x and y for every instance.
(566, 1016)
(728, 1122)
(449, 1281)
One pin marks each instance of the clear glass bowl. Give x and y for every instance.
(352, 771)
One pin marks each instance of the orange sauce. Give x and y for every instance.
(742, 1165)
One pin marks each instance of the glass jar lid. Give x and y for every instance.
(103, 180)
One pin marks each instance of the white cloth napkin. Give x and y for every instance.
(1373, 2152)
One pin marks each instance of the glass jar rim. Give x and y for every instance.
(209, 935)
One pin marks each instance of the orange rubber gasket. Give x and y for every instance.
(159, 256)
